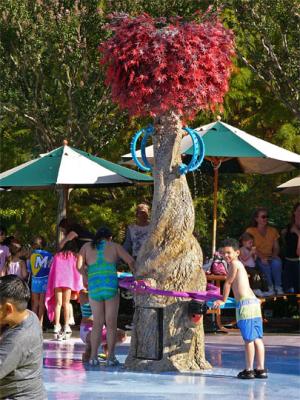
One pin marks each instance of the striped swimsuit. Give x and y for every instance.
(102, 277)
(86, 310)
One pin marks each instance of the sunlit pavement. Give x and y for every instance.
(67, 378)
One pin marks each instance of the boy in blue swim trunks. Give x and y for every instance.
(248, 311)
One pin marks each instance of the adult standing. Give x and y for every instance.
(136, 235)
(138, 232)
(291, 237)
(267, 250)
(101, 256)
(71, 231)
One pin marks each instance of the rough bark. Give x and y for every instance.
(172, 260)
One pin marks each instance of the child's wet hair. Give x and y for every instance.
(230, 242)
(103, 233)
(14, 290)
(38, 242)
(71, 245)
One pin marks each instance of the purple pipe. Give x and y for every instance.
(212, 292)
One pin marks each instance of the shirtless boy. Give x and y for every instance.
(248, 311)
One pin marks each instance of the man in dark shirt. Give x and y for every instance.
(21, 343)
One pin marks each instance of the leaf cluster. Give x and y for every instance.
(154, 66)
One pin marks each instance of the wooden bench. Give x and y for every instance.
(285, 296)
(217, 280)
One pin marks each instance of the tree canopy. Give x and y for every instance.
(155, 65)
(269, 39)
(52, 88)
(49, 73)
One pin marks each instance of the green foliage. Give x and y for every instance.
(27, 214)
(268, 42)
(288, 137)
(156, 8)
(52, 88)
(16, 144)
(50, 76)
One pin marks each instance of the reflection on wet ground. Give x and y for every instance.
(67, 378)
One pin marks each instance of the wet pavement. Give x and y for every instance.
(67, 378)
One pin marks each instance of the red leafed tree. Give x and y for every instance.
(169, 70)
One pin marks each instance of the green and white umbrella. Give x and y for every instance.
(229, 149)
(236, 150)
(69, 167)
(66, 168)
(291, 187)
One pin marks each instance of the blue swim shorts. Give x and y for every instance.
(249, 319)
(251, 329)
(39, 285)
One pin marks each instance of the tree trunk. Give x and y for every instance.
(164, 338)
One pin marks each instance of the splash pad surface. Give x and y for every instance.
(65, 376)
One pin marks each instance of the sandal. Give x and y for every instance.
(246, 374)
(112, 362)
(261, 373)
(93, 362)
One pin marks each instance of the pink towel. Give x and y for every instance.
(63, 274)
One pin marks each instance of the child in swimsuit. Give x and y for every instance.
(248, 312)
(63, 280)
(100, 256)
(86, 326)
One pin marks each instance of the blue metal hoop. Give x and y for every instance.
(148, 131)
(198, 153)
(198, 150)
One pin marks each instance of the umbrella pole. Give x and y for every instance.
(61, 211)
(216, 166)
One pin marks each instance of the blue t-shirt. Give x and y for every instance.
(40, 261)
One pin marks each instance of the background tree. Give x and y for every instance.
(33, 37)
(49, 73)
(269, 35)
(168, 70)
